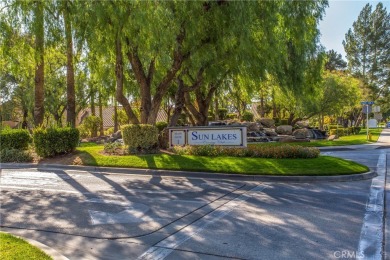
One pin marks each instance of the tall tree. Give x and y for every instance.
(39, 32)
(334, 61)
(70, 79)
(367, 48)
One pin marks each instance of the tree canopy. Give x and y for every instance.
(144, 54)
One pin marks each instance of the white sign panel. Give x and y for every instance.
(178, 137)
(376, 109)
(372, 123)
(221, 136)
(225, 136)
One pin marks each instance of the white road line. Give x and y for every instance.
(8, 187)
(371, 235)
(168, 245)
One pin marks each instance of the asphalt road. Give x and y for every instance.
(94, 215)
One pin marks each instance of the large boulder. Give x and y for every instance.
(234, 123)
(253, 127)
(270, 132)
(301, 133)
(284, 130)
(117, 135)
(302, 124)
(267, 122)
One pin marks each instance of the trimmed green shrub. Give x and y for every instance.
(222, 113)
(109, 131)
(247, 116)
(275, 152)
(231, 116)
(14, 139)
(356, 130)
(161, 125)
(53, 141)
(84, 132)
(15, 155)
(140, 138)
(92, 124)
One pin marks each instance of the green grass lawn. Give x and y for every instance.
(324, 165)
(360, 138)
(15, 248)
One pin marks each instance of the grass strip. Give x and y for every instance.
(15, 248)
(324, 165)
(358, 139)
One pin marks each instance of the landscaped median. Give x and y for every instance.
(15, 248)
(357, 139)
(92, 155)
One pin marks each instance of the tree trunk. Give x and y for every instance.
(24, 123)
(290, 119)
(321, 123)
(203, 101)
(39, 110)
(262, 109)
(180, 97)
(101, 128)
(151, 106)
(190, 116)
(216, 107)
(274, 108)
(115, 116)
(70, 87)
(179, 103)
(120, 80)
(92, 101)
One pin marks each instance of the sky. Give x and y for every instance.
(339, 17)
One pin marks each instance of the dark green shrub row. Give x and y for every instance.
(14, 139)
(140, 138)
(275, 152)
(15, 155)
(54, 141)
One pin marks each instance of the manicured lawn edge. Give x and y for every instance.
(12, 247)
(322, 166)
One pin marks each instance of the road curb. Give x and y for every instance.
(189, 174)
(48, 250)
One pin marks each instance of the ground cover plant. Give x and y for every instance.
(92, 155)
(15, 248)
(276, 152)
